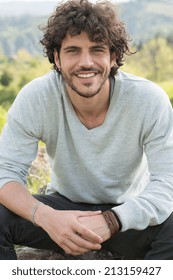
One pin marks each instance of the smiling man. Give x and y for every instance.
(109, 138)
(85, 65)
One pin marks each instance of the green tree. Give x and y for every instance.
(154, 60)
(5, 78)
(157, 59)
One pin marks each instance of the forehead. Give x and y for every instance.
(80, 40)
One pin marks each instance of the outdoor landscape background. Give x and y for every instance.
(149, 22)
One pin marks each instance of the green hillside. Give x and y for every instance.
(144, 20)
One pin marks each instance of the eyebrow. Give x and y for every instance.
(104, 47)
(92, 47)
(71, 47)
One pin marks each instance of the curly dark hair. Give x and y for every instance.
(99, 20)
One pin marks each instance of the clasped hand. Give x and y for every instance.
(76, 232)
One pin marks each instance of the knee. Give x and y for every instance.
(168, 224)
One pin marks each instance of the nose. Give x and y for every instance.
(85, 59)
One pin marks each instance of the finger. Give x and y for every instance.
(88, 234)
(73, 249)
(78, 245)
(89, 213)
(84, 243)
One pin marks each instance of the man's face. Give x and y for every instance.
(85, 65)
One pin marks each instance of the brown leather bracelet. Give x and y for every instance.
(111, 221)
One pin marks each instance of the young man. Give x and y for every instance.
(109, 137)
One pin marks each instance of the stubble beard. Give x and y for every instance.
(87, 94)
(81, 93)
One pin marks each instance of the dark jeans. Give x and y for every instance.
(153, 243)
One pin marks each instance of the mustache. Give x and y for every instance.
(86, 69)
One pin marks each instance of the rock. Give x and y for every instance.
(25, 253)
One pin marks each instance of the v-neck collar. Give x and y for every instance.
(79, 124)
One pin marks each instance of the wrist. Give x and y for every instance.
(118, 219)
(40, 216)
(111, 221)
(34, 210)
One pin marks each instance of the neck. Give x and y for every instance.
(91, 111)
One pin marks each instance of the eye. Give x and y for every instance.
(72, 50)
(99, 49)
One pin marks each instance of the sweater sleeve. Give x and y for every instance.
(19, 138)
(155, 203)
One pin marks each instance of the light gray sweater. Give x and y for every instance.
(127, 160)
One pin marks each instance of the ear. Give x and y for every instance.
(56, 59)
(113, 59)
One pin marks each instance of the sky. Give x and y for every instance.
(48, 0)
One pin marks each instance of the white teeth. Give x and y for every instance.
(89, 75)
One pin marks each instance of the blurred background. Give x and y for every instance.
(149, 23)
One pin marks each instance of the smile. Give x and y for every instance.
(86, 75)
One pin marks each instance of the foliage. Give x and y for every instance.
(144, 19)
(17, 72)
(168, 88)
(3, 116)
(154, 61)
(20, 33)
(5, 78)
(39, 174)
